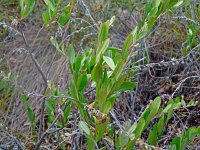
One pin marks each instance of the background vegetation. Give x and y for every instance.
(95, 74)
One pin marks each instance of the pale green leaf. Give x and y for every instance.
(71, 53)
(132, 128)
(167, 108)
(50, 4)
(84, 127)
(102, 50)
(109, 62)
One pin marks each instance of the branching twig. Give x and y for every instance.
(87, 11)
(181, 82)
(45, 81)
(77, 31)
(34, 60)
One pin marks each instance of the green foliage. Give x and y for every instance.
(144, 121)
(105, 74)
(26, 7)
(180, 142)
(55, 44)
(84, 127)
(53, 11)
(154, 9)
(50, 105)
(109, 79)
(5, 90)
(50, 14)
(65, 16)
(158, 128)
(30, 113)
(125, 135)
(192, 38)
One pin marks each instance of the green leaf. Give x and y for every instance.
(154, 106)
(178, 4)
(49, 105)
(49, 15)
(126, 86)
(66, 114)
(31, 115)
(175, 144)
(51, 4)
(73, 90)
(161, 124)
(109, 62)
(64, 19)
(83, 112)
(190, 31)
(55, 44)
(153, 12)
(167, 108)
(157, 131)
(107, 107)
(102, 50)
(151, 22)
(1, 19)
(117, 72)
(24, 100)
(103, 33)
(112, 20)
(183, 103)
(156, 3)
(123, 139)
(151, 111)
(191, 133)
(100, 130)
(78, 64)
(152, 137)
(71, 53)
(97, 73)
(26, 6)
(46, 17)
(83, 82)
(140, 128)
(132, 128)
(84, 127)
(90, 143)
(172, 3)
(116, 84)
(128, 42)
(65, 16)
(172, 147)
(112, 99)
(144, 31)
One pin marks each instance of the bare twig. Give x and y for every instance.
(87, 11)
(115, 118)
(72, 34)
(181, 82)
(34, 60)
(140, 56)
(45, 81)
